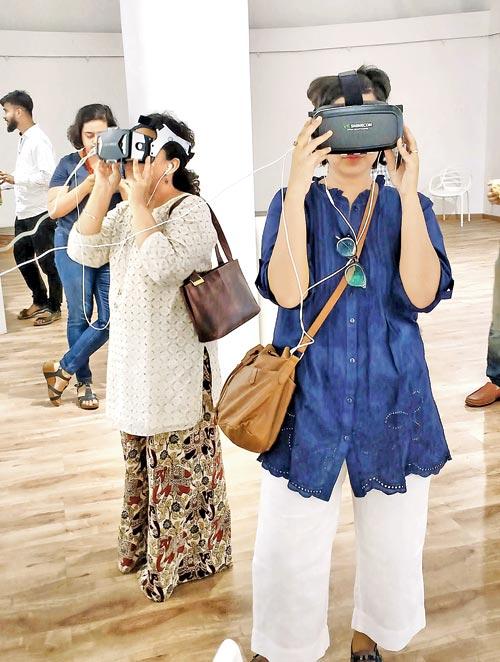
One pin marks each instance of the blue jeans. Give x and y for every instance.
(493, 370)
(83, 339)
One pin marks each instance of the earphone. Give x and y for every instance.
(167, 170)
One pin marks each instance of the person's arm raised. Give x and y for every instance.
(282, 276)
(62, 200)
(107, 179)
(419, 264)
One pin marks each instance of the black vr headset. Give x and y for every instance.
(120, 145)
(359, 127)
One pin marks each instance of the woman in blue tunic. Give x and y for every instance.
(83, 287)
(363, 404)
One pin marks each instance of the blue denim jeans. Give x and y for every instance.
(83, 339)
(493, 370)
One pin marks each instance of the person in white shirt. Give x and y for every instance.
(35, 164)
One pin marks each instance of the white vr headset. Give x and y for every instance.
(119, 145)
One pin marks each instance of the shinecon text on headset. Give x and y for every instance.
(359, 126)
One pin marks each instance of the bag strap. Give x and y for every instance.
(176, 204)
(221, 237)
(337, 293)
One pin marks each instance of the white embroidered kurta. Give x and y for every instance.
(155, 360)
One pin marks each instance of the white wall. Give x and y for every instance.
(203, 75)
(438, 68)
(493, 130)
(62, 72)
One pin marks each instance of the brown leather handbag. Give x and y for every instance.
(219, 300)
(257, 394)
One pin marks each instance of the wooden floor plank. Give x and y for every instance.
(61, 595)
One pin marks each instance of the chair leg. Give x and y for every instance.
(461, 210)
(468, 206)
(442, 209)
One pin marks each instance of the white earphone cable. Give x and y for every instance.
(294, 265)
(335, 273)
(123, 242)
(30, 233)
(138, 232)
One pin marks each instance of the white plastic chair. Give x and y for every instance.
(452, 184)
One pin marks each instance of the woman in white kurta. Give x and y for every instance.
(175, 523)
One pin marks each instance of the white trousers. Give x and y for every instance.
(291, 568)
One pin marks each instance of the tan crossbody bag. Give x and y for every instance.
(257, 394)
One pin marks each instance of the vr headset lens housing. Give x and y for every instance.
(359, 127)
(119, 145)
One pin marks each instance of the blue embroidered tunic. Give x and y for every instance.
(363, 391)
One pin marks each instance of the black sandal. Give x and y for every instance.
(89, 396)
(366, 656)
(51, 375)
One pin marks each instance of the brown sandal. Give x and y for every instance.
(51, 375)
(86, 401)
(47, 318)
(23, 315)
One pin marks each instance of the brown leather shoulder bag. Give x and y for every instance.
(218, 300)
(257, 394)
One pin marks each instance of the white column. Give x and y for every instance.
(193, 59)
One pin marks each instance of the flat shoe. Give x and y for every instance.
(486, 395)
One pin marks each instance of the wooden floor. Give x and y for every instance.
(61, 596)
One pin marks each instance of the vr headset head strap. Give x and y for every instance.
(164, 136)
(351, 88)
